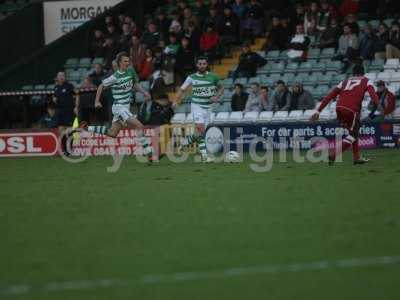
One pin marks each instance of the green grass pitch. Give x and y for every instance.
(194, 231)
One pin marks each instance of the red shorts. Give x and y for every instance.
(348, 119)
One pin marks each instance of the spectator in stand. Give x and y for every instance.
(282, 97)
(301, 99)
(146, 66)
(313, 34)
(209, 42)
(393, 45)
(182, 5)
(213, 18)
(249, 61)
(200, 11)
(239, 9)
(298, 45)
(349, 7)
(121, 20)
(254, 100)
(108, 20)
(348, 47)
(266, 99)
(193, 34)
(163, 23)
(229, 29)
(112, 33)
(97, 75)
(311, 14)
(188, 17)
(367, 41)
(135, 30)
(277, 37)
(96, 46)
(125, 38)
(49, 120)
(151, 37)
(184, 64)
(381, 41)
(239, 98)
(214, 4)
(325, 14)
(351, 20)
(86, 101)
(110, 50)
(387, 102)
(330, 36)
(298, 17)
(254, 21)
(137, 51)
(173, 46)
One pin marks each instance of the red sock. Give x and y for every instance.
(356, 150)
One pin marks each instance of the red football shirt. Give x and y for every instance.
(351, 93)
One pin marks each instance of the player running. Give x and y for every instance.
(351, 94)
(206, 90)
(122, 83)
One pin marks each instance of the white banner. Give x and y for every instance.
(61, 17)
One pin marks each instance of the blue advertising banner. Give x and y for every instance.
(301, 135)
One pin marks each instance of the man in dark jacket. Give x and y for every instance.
(239, 98)
(301, 99)
(367, 42)
(387, 102)
(393, 46)
(248, 63)
(229, 28)
(282, 97)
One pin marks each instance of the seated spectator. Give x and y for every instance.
(298, 45)
(367, 41)
(311, 14)
(151, 37)
(156, 112)
(381, 41)
(214, 4)
(330, 36)
(184, 64)
(282, 97)
(239, 98)
(229, 29)
(137, 51)
(249, 61)
(239, 9)
(253, 22)
(86, 101)
(97, 75)
(393, 45)
(325, 14)
(125, 38)
(200, 11)
(49, 119)
(173, 46)
(348, 47)
(213, 18)
(193, 34)
(387, 102)
(313, 34)
(254, 100)
(278, 37)
(163, 23)
(351, 20)
(96, 46)
(110, 50)
(267, 103)
(349, 7)
(301, 99)
(209, 42)
(188, 18)
(298, 17)
(146, 66)
(112, 33)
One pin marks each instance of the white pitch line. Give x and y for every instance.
(92, 284)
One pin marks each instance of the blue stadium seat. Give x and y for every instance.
(71, 63)
(85, 62)
(291, 67)
(272, 55)
(306, 67)
(376, 65)
(313, 53)
(327, 53)
(277, 68)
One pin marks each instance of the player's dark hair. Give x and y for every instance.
(120, 55)
(264, 87)
(201, 58)
(239, 85)
(358, 70)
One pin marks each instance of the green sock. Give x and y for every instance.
(202, 146)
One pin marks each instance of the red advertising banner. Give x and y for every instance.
(15, 144)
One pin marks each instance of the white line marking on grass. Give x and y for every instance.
(92, 284)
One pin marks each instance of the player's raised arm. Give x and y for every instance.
(99, 91)
(140, 89)
(182, 90)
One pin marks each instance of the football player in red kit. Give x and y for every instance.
(351, 94)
